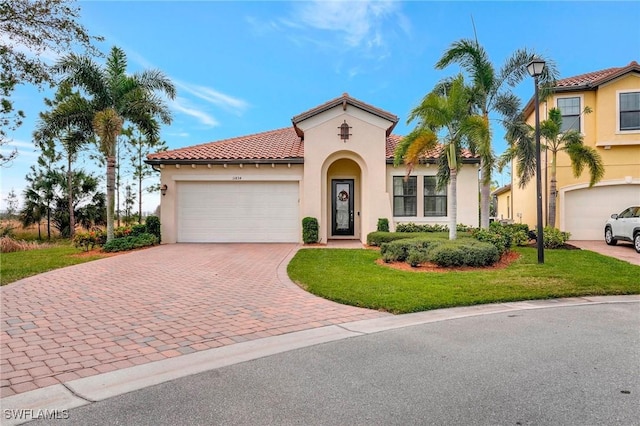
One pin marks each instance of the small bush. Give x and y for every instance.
(130, 243)
(376, 239)
(88, 240)
(398, 251)
(554, 238)
(501, 241)
(138, 230)
(417, 256)
(310, 230)
(383, 225)
(122, 231)
(468, 253)
(153, 226)
(412, 227)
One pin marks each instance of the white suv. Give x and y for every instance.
(624, 227)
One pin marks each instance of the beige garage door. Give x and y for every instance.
(587, 210)
(238, 212)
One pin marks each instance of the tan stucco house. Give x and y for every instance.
(334, 163)
(612, 128)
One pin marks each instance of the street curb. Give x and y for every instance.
(76, 393)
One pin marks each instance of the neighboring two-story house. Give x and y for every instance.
(612, 128)
(334, 163)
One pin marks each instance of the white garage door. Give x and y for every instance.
(238, 212)
(587, 210)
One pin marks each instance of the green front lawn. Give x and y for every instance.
(22, 264)
(352, 277)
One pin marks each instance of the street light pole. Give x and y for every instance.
(535, 69)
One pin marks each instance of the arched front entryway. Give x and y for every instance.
(344, 199)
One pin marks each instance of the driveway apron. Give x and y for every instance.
(152, 305)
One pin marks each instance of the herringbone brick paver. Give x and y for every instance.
(150, 305)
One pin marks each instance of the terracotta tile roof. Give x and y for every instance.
(588, 81)
(345, 100)
(394, 140)
(280, 144)
(595, 78)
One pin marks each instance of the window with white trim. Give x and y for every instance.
(570, 110)
(629, 111)
(435, 201)
(405, 196)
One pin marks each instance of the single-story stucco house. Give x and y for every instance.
(335, 163)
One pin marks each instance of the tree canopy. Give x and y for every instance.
(30, 32)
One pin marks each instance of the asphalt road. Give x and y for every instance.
(575, 365)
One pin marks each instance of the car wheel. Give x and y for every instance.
(608, 237)
(636, 242)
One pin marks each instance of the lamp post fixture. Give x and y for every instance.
(535, 69)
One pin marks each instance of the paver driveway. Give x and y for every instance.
(151, 305)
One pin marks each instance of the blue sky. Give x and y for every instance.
(247, 67)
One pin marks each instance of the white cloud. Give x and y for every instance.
(361, 23)
(182, 105)
(214, 97)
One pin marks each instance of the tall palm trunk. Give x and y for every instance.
(72, 218)
(139, 188)
(111, 183)
(453, 206)
(552, 190)
(485, 192)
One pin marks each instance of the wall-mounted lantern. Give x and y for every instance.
(344, 131)
(163, 189)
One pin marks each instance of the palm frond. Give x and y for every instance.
(582, 156)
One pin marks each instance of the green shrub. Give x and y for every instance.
(89, 240)
(153, 226)
(467, 253)
(122, 231)
(138, 229)
(310, 230)
(412, 227)
(130, 243)
(398, 251)
(501, 241)
(383, 225)
(554, 238)
(417, 256)
(376, 239)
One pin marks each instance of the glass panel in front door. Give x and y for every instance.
(342, 206)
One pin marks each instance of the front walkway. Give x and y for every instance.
(152, 305)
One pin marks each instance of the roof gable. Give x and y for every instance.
(343, 101)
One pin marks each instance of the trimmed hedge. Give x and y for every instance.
(130, 242)
(554, 238)
(383, 225)
(412, 227)
(310, 230)
(376, 239)
(468, 253)
(398, 251)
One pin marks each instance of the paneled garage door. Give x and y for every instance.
(587, 210)
(238, 212)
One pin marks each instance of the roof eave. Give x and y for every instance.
(292, 160)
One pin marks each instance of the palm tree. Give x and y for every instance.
(489, 95)
(58, 124)
(522, 150)
(117, 97)
(446, 109)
